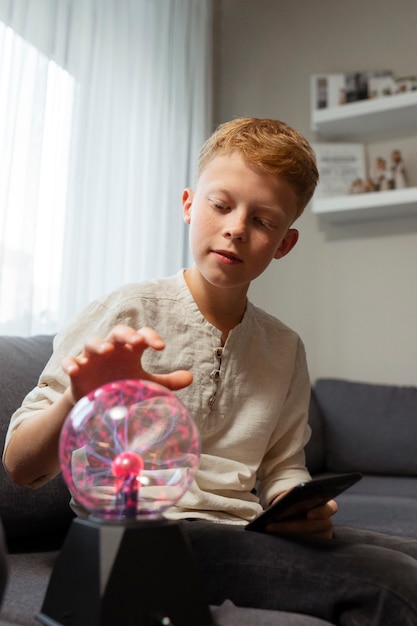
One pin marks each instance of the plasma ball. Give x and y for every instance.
(127, 465)
(129, 449)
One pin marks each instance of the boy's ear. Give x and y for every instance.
(187, 200)
(287, 244)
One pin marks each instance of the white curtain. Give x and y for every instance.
(104, 105)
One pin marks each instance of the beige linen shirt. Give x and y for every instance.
(249, 398)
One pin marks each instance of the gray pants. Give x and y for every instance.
(359, 578)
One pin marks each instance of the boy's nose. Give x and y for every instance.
(235, 229)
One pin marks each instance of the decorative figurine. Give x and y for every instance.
(381, 175)
(397, 170)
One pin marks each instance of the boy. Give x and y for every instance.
(243, 376)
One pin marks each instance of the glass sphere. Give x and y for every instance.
(129, 449)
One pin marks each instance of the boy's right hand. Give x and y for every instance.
(118, 357)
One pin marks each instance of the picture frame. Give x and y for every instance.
(342, 168)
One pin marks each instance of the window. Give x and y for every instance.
(36, 110)
(103, 109)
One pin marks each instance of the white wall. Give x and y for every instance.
(351, 290)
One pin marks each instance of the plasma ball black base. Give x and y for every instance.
(129, 574)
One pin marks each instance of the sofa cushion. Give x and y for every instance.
(28, 580)
(389, 514)
(25, 512)
(368, 427)
(379, 485)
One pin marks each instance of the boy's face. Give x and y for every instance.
(240, 220)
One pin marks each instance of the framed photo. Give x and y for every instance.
(327, 90)
(342, 169)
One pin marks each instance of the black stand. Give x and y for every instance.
(133, 574)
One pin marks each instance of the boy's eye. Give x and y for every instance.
(263, 223)
(218, 205)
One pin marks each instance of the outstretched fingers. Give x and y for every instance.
(126, 336)
(116, 357)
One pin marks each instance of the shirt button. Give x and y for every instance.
(215, 375)
(218, 352)
(212, 400)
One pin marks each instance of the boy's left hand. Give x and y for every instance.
(316, 523)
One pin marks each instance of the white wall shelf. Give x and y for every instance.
(359, 121)
(366, 206)
(367, 117)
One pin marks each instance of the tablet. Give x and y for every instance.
(303, 497)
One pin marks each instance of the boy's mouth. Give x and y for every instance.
(225, 256)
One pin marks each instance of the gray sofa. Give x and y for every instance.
(372, 429)
(355, 427)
